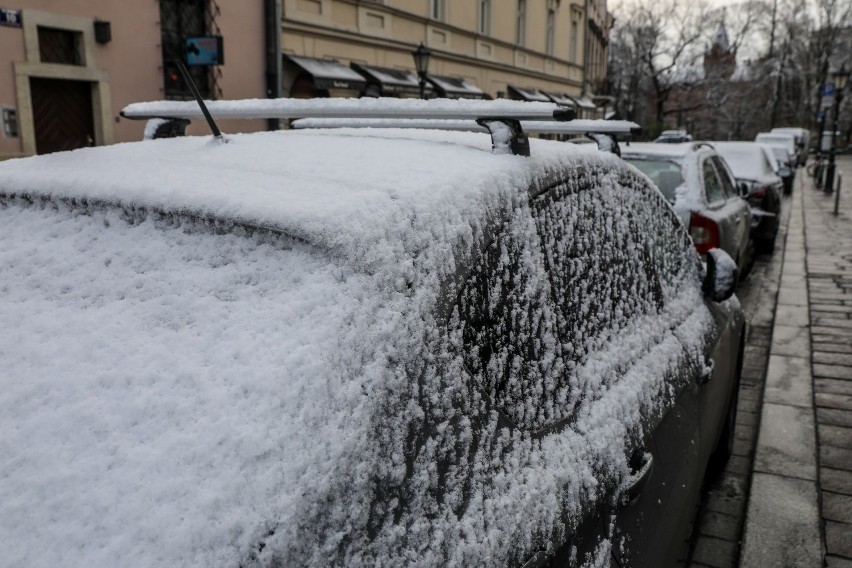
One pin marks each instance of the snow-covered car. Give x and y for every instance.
(802, 137)
(673, 137)
(751, 166)
(784, 146)
(352, 347)
(701, 188)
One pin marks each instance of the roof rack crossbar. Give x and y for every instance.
(441, 109)
(601, 131)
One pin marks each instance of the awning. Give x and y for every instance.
(527, 94)
(390, 81)
(560, 99)
(584, 103)
(328, 73)
(456, 88)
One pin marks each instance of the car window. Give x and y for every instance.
(725, 177)
(665, 174)
(507, 327)
(712, 186)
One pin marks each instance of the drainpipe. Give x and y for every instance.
(585, 46)
(272, 28)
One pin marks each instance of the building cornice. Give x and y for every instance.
(369, 41)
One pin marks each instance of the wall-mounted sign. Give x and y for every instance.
(205, 50)
(11, 18)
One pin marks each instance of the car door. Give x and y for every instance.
(615, 253)
(727, 215)
(739, 207)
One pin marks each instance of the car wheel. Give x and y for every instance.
(725, 444)
(767, 246)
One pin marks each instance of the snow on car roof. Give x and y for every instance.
(653, 149)
(174, 393)
(746, 159)
(318, 186)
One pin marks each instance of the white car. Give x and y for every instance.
(803, 137)
(781, 140)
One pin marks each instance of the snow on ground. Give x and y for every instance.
(179, 390)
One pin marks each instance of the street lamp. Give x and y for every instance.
(841, 77)
(421, 57)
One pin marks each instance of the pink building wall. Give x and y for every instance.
(132, 60)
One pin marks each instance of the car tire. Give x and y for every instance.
(725, 444)
(767, 245)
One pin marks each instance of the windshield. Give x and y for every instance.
(665, 174)
(780, 154)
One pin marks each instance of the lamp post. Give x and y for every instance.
(421, 57)
(840, 77)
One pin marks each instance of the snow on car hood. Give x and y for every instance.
(179, 392)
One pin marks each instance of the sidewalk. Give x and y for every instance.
(799, 510)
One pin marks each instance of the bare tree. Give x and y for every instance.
(654, 45)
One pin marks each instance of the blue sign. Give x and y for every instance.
(828, 89)
(206, 50)
(11, 18)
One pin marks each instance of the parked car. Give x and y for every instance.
(780, 140)
(781, 160)
(803, 137)
(354, 347)
(701, 188)
(673, 137)
(751, 167)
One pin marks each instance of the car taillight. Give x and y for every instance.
(704, 233)
(760, 192)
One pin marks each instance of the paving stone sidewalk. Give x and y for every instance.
(800, 498)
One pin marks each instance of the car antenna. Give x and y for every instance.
(217, 134)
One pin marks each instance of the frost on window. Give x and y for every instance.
(508, 327)
(614, 255)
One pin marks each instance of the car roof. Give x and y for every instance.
(329, 187)
(661, 150)
(747, 160)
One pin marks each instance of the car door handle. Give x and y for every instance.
(643, 467)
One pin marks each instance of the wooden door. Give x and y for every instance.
(62, 114)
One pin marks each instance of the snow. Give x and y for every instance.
(746, 160)
(252, 353)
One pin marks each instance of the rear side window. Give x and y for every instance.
(724, 177)
(508, 329)
(712, 185)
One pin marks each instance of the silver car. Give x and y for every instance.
(701, 188)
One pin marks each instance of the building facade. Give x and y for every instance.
(68, 68)
(522, 49)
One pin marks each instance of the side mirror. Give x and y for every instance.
(720, 280)
(743, 189)
(784, 171)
